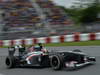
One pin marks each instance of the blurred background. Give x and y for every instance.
(20, 19)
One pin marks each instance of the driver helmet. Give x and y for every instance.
(40, 44)
(37, 48)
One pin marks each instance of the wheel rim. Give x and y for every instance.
(8, 62)
(55, 61)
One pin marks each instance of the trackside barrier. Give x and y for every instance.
(53, 39)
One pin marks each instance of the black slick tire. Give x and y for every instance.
(10, 62)
(56, 62)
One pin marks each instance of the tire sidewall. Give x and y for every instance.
(59, 60)
(11, 60)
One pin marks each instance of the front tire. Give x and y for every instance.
(56, 62)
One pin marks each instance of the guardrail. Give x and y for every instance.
(54, 39)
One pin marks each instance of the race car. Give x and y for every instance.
(57, 60)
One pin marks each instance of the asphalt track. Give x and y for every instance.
(88, 70)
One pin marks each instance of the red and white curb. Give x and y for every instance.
(53, 39)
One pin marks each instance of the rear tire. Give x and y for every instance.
(56, 62)
(10, 62)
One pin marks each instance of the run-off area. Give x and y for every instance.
(88, 70)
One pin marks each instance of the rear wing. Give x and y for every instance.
(11, 51)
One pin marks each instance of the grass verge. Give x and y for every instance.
(84, 43)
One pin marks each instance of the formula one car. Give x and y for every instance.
(57, 60)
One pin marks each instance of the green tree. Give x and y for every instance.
(89, 14)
